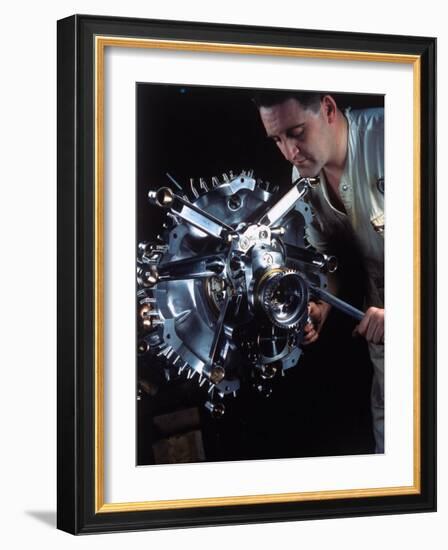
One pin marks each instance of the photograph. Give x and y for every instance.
(240, 339)
(260, 273)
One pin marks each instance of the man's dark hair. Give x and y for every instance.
(268, 98)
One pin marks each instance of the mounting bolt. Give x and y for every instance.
(244, 243)
(217, 409)
(142, 347)
(150, 276)
(234, 202)
(268, 259)
(217, 374)
(145, 310)
(268, 371)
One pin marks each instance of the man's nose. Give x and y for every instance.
(291, 149)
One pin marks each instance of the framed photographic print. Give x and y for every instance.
(239, 337)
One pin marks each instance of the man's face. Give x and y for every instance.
(302, 135)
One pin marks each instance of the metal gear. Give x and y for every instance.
(284, 298)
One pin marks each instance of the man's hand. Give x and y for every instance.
(372, 326)
(317, 312)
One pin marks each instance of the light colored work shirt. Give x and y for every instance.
(362, 193)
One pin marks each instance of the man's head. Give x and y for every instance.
(305, 126)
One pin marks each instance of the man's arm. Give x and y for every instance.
(318, 312)
(372, 326)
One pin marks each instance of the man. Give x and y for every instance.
(346, 150)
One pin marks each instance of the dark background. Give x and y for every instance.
(322, 406)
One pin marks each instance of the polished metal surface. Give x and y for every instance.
(223, 297)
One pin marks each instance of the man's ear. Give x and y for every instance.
(329, 108)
